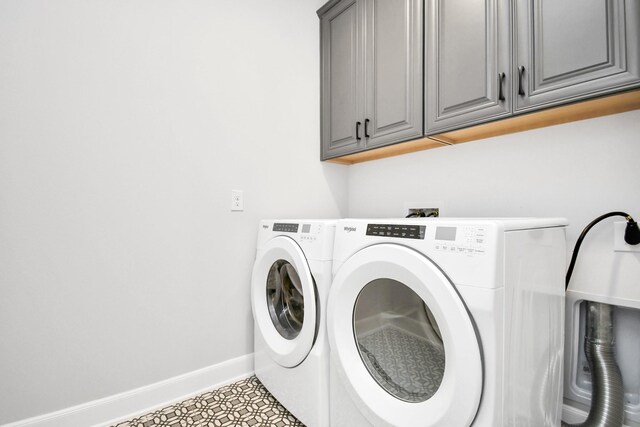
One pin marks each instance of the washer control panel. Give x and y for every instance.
(285, 227)
(470, 240)
(306, 232)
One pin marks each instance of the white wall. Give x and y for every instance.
(578, 171)
(123, 127)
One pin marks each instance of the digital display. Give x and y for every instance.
(306, 228)
(446, 233)
(403, 231)
(286, 227)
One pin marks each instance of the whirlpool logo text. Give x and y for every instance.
(349, 229)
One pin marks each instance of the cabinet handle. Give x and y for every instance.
(520, 85)
(358, 131)
(366, 128)
(501, 77)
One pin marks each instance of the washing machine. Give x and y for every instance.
(289, 290)
(447, 322)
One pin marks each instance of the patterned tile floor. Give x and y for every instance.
(243, 404)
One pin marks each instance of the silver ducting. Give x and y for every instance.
(607, 396)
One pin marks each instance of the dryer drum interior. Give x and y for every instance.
(399, 340)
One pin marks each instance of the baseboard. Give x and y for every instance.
(123, 406)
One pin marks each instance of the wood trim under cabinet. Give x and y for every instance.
(604, 106)
(387, 151)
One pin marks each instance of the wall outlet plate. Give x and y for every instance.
(237, 201)
(619, 245)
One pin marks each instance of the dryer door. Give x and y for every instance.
(411, 356)
(284, 301)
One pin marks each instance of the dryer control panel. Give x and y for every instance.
(462, 239)
(402, 231)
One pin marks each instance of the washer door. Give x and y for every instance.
(283, 300)
(411, 356)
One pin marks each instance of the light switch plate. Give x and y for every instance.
(619, 245)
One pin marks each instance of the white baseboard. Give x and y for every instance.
(127, 405)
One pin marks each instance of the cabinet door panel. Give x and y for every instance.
(341, 57)
(572, 49)
(393, 71)
(467, 50)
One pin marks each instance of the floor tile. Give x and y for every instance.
(245, 403)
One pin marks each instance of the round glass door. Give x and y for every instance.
(285, 299)
(399, 340)
(412, 352)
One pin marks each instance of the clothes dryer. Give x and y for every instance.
(447, 322)
(289, 290)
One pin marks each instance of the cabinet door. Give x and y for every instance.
(341, 77)
(393, 52)
(468, 62)
(573, 49)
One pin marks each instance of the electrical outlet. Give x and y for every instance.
(619, 245)
(237, 202)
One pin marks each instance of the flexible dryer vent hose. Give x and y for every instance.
(607, 396)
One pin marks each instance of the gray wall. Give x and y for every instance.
(123, 127)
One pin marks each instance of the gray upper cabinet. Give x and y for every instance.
(393, 71)
(341, 74)
(371, 74)
(468, 62)
(397, 70)
(573, 49)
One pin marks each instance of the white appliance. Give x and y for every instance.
(447, 322)
(289, 289)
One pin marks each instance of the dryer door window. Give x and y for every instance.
(285, 299)
(399, 340)
(412, 355)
